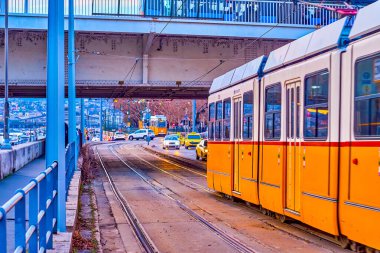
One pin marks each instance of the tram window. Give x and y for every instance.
(367, 97)
(272, 129)
(316, 112)
(211, 121)
(211, 111)
(247, 114)
(218, 123)
(227, 118)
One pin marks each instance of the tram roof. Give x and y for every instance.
(367, 20)
(320, 40)
(234, 76)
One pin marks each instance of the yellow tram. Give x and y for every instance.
(158, 124)
(298, 132)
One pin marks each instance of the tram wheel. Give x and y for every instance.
(280, 217)
(344, 242)
(263, 210)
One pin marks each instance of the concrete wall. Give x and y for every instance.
(13, 160)
(112, 57)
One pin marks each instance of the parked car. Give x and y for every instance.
(119, 136)
(192, 140)
(201, 150)
(141, 134)
(171, 141)
(95, 138)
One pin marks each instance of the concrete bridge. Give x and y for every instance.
(153, 48)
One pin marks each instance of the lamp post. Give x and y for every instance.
(6, 144)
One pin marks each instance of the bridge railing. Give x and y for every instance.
(37, 233)
(244, 11)
(70, 164)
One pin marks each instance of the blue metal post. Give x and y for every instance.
(3, 230)
(55, 96)
(82, 127)
(33, 217)
(6, 144)
(20, 227)
(194, 114)
(101, 119)
(71, 84)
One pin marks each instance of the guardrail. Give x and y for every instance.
(244, 11)
(38, 234)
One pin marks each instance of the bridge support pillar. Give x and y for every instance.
(71, 84)
(55, 96)
(82, 127)
(101, 119)
(145, 68)
(194, 114)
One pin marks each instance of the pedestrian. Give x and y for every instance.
(148, 138)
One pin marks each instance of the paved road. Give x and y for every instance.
(170, 202)
(156, 144)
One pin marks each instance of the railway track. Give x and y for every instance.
(231, 241)
(294, 224)
(139, 231)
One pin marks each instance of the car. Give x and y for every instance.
(141, 134)
(119, 136)
(201, 150)
(171, 141)
(192, 140)
(95, 138)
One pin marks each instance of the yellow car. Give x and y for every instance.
(192, 140)
(201, 150)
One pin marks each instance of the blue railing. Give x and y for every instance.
(244, 11)
(37, 233)
(70, 164)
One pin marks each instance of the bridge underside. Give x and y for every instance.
(134, 91)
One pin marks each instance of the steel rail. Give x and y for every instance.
(137, 227)
(233, 242)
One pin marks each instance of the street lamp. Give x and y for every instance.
(6, 144)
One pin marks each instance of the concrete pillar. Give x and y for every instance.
(194, 114)
(145, 68)
(55, 96)
(71, 80)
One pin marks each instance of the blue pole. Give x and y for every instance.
(82, 127)
(6, 144)
(55, 97)
(194, 114)
(101, 119)
(71, 84)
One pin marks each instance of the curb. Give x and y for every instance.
(62, 242)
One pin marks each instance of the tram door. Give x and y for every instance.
(293, 148)
(237, 137)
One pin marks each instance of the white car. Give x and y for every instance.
(171, 141)
(119, 136)
(95, 138)
(141, 134)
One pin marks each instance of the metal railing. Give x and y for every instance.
(244, 11)
(70, 164)
(37, 233)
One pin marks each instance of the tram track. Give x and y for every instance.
(139, 231)
(243, 204)
(231, 241)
